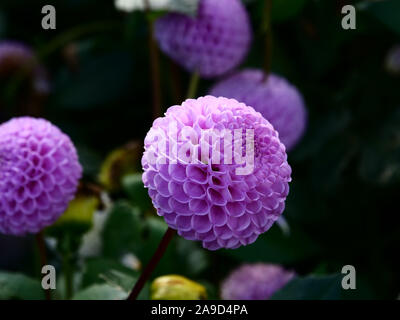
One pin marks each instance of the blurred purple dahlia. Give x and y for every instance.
(214, 42)
(255, 282)
(216, 171)
(39, 174)
(18, 59)
(275, 98)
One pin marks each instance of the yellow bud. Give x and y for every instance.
(175, 287)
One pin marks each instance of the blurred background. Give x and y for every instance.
(96, 85)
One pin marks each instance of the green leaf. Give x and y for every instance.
(125, 282)
(101, 292)
(134, 188)
(19, 286)
(126, 231)
(312, 288)
(154, 230)
(122, 231)
(193, 259)
(96, 267)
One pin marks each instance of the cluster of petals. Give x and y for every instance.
(255, 282)
(212, 43)
(210, 199)
(39, 174)
(273, 96)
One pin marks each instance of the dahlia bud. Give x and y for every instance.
(174, 287)
(213, 43)
(39, 173)
(255, 282)
(275, 98)
(224, 192)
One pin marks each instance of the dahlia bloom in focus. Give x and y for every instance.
(213, 43)
(39, 174)
(275, 98)
(216, 171)
(255, 282)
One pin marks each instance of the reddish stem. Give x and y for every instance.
(162, 247)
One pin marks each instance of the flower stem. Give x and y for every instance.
(268, 38)
(68, 265)
(194, 83)
(43, 257)
(154, 65)
(68, 276)
(162, 247)
(176, 87)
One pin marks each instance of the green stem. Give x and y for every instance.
(194, 83)
(176, 87)
(154, 64)
(68, 269)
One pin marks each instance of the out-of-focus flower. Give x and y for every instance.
(274, 97)
(213, 43)
(392, 62)
(39, 174)
(19, 62)
(174, 287)
(255, 282)
(226, 192)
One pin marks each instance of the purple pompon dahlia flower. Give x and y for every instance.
(255, 282)
(275, 98)
(213, 43)
(39, 174)
(17, 58)
(216, 171)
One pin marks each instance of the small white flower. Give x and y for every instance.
(184, 6)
